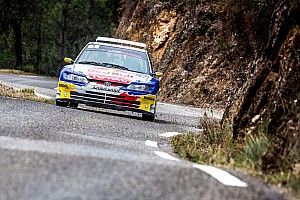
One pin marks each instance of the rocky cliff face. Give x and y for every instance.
(270, 97)
(233, 54)
(191, 44)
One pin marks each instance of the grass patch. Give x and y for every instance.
(27, 94)
(216, 147)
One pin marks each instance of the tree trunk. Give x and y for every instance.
(63, 26)
(88, 22)
(17, 29)
(39, 49)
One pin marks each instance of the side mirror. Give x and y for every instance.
(158, 74)
(68, 60)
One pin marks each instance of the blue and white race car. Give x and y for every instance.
(110, 73)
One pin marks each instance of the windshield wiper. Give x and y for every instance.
(90, 63)
(115, 66)
(136, 71)
(120, 67)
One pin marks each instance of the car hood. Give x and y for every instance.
(110, 74)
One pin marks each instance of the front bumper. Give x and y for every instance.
(121, 100)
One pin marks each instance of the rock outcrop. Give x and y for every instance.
(240, 55)
(191, 44)
(270, 97)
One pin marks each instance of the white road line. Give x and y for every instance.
(169, 134)
(150, 143)
(61, 148)
(221, 175)
(165, 156)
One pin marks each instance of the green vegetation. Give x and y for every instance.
(27, 94)
(36, 35)
(216, 146)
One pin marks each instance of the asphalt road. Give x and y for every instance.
(49, 152)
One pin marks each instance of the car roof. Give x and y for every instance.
(119, 46)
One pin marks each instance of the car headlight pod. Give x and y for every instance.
(75, 78)
(142, 88)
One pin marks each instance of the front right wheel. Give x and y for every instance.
(73, 105)
(148, 117)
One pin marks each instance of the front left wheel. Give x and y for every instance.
(61, 103)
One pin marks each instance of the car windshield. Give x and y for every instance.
(114, 57)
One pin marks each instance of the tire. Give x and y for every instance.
(148, 117)
(73, 105)
(61, 103)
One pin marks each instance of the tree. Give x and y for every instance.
(36, 35)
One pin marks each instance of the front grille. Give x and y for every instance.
(102, 99)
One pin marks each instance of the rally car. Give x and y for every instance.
(110, 73)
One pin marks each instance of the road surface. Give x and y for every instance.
(49, 152)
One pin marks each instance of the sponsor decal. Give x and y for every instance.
(63, 85)
(124, 53)
(126, 100)
(106, 88)
(92, 46)
(110, 75)
(149, 98)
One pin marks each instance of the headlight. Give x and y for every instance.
(143, 88)
(76, 78)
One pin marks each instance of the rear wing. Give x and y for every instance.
(121, 42)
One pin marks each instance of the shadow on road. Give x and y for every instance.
(125, 115)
